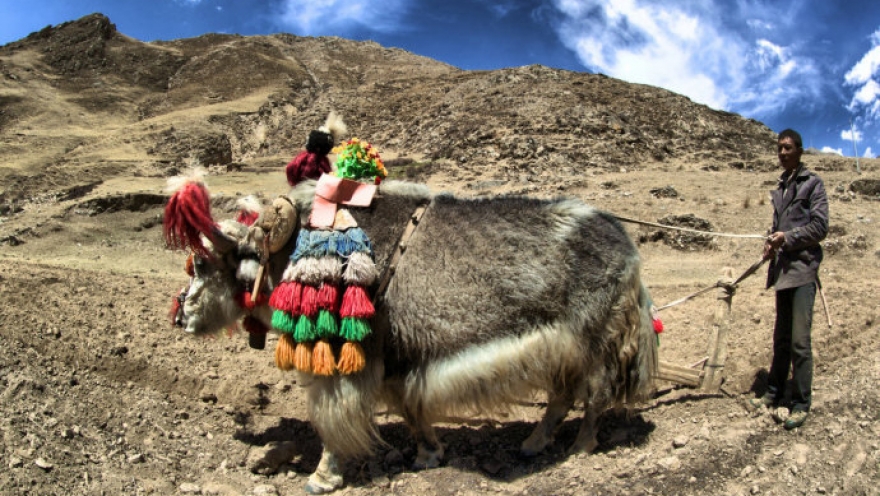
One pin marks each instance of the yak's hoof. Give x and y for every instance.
(586, 448)
(321, 486)
(428, 459)
(534, 446)
(528, 453)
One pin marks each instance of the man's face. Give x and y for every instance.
(789, 154)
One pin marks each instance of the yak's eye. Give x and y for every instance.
(200, 265)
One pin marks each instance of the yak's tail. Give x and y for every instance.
(637, 356)
(640, 384)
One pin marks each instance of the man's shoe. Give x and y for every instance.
(764, 401)
(796, 419)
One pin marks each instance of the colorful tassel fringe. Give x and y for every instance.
(356, 303)
(323, 362)
(285, 352)
(351, 358)
(314, 312)
(302, 359)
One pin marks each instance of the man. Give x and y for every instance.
(800, 222)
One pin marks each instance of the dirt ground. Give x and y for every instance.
(99, 395)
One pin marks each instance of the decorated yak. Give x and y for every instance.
(472, 305)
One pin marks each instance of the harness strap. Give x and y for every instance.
(414, 220)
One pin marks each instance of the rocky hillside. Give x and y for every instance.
(80, 102)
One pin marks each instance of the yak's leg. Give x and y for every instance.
(327, 477)
(557, 408)
(586, 442)
(430, 449)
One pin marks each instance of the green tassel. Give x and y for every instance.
(354, 329)
(283, 321)
(305, 330)
(326, 325)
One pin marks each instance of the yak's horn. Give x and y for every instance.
(223, 243)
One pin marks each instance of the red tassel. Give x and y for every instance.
(286, 297)
(187, 216)
(356, 303)
(279, 294)
(247, 218)
(328, 297)
(309, 301)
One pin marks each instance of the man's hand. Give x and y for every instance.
(773, 244)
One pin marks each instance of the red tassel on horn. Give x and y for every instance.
(187, 216)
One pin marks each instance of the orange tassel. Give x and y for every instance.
(323, 362)
(351, 358)
(284, 352)
(302, 360)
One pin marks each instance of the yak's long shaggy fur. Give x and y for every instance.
(492, 300)
(497, 298)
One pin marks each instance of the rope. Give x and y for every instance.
(720, 284)
(685, 229)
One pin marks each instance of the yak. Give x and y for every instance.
(492, 300)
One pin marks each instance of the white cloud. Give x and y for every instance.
(848, 135)
(868, 153)
(324, 17)
(828, 149)
(867, 96)
(862, 76)
(697, 49)
(644, 43)
(867, 66)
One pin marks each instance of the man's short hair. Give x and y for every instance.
(794, 135)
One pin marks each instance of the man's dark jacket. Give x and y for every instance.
(800, 210)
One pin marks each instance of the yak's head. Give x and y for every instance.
(225, 256)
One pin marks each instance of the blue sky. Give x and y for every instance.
(813, 65)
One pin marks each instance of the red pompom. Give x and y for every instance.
(244, 299)
(658, 325)
(356, 303)
(247, 217)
